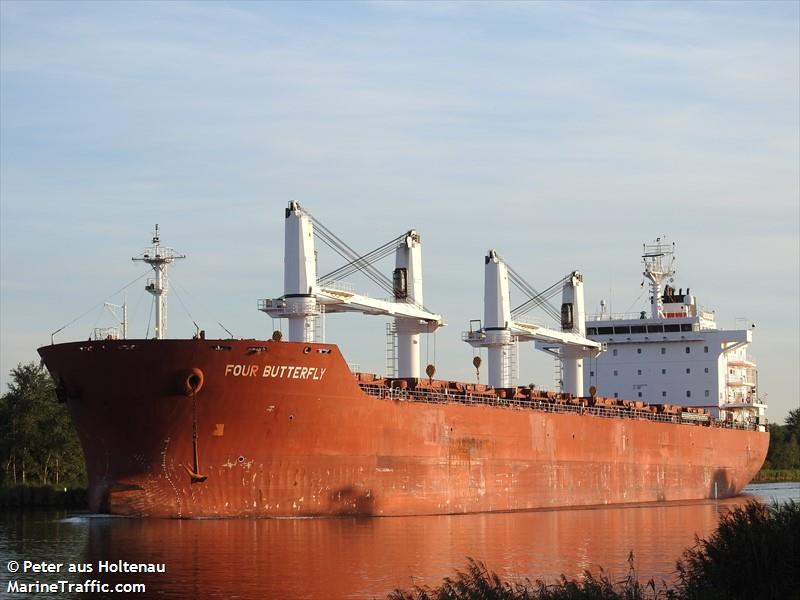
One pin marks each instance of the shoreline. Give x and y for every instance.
(777, 476)
(21, 497)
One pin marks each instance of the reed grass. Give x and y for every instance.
(477, 582)
(754, 553)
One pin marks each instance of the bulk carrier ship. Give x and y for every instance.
(192, 428)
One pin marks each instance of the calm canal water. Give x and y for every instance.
(358, 558)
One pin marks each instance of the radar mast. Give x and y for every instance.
(658, 258)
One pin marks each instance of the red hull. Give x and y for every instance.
(282, 429)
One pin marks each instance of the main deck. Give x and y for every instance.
(437, 391)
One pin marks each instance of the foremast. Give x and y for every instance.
(159, 258)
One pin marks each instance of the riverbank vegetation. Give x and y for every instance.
(783, 457)
(753, 554)
(776, 475)
(40, 455)
(35, 496)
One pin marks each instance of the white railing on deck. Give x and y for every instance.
(437, 397)
(616, 316)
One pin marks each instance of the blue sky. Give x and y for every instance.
(563, 134)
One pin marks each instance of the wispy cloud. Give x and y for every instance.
(565, 134)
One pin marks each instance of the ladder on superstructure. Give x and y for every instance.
(391, 350)
(511, 366)
(319, 325)
(558, 372)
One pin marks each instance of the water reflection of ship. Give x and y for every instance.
(201, 427)
(367, 558)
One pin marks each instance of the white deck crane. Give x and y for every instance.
(305, 295)
(502, 326)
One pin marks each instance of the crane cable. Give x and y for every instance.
(336, 244)
(536, 298)
(359, 263)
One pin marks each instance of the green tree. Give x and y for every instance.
(784, 443)
(793, 423)
(38, 443)
(790, 448)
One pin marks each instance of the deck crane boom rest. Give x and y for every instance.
(502, 327)
(305, 293)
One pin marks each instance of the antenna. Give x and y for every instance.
(159, 258)
(123, 320)
(658, 258)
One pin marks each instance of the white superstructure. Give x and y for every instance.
(677, 354)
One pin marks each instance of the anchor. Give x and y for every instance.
(193, 384)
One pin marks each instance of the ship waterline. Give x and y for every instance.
(244, 428)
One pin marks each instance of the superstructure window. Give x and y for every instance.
(663, 394)
(706, 369)
(638, 371)
(622, 329)
(615, 372)
(655, 329)
(591, 331)
(668, 328)
(688, 349)
(663, 371)
(616, 395)
(707, 394)
(591, 373)
(638, 351)
(638, 329)
(639, 394)
(663, 351)
(688, 393)
(605, 330)
(705, 349)
(614, 352)
(688, 371)
(686, 326)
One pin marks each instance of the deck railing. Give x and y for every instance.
(571, 407)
